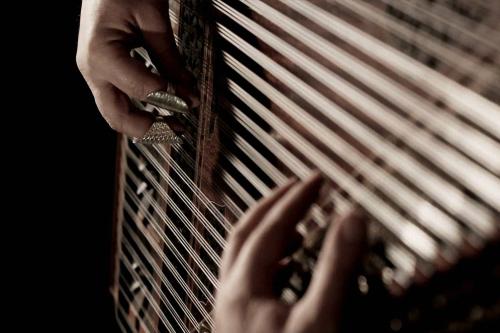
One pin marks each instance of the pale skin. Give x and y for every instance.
(245, 301)
(109, 29)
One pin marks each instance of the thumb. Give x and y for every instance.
(342, 250)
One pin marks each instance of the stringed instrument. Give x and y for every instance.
(397, 102)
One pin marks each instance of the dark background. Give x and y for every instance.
(63, 202)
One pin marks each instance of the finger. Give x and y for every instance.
(248, 223)
(341, 253)
(267, 244)
(121, 115)
(159, 39)
(107, 34)
(114, 64)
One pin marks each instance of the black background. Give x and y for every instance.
(63, 180)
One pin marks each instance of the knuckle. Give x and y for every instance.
(82, 62)
(115, 125)
(85, 61)
(88, 53)
(114, 121)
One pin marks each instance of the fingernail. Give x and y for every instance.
(167, 101)
(354, 228)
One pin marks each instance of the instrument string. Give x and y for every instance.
(481, 142)
(403, 64)
(174, 186)
(249, 202)
(488, 183)
(401, 258)
(157, 289)
(485, 74)
(187, 201)
(145, 323)
(462, 63)
(172, 291)
(479, 146)
(196, 192)
(490, 193)
(147, 294)
(178, 236)
(338, 201)
(392, 154)
(442, 123)
(168, 243)
(212, 254)
(192, 186)
(468, 103)
(454, 20)
(262, 188)
(278, 177)
(484, 4)
(175, 251)
(342, 205)
(192, 297)
(331, 169)
(406, 257)
(463, 27)
(317, 127)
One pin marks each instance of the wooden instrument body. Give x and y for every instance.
(175, 205)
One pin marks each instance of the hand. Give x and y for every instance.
(109, 30)
(245, 300)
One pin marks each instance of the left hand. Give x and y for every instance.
(109, 30)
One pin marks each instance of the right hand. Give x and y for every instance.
(246, 300)
(109, 30)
